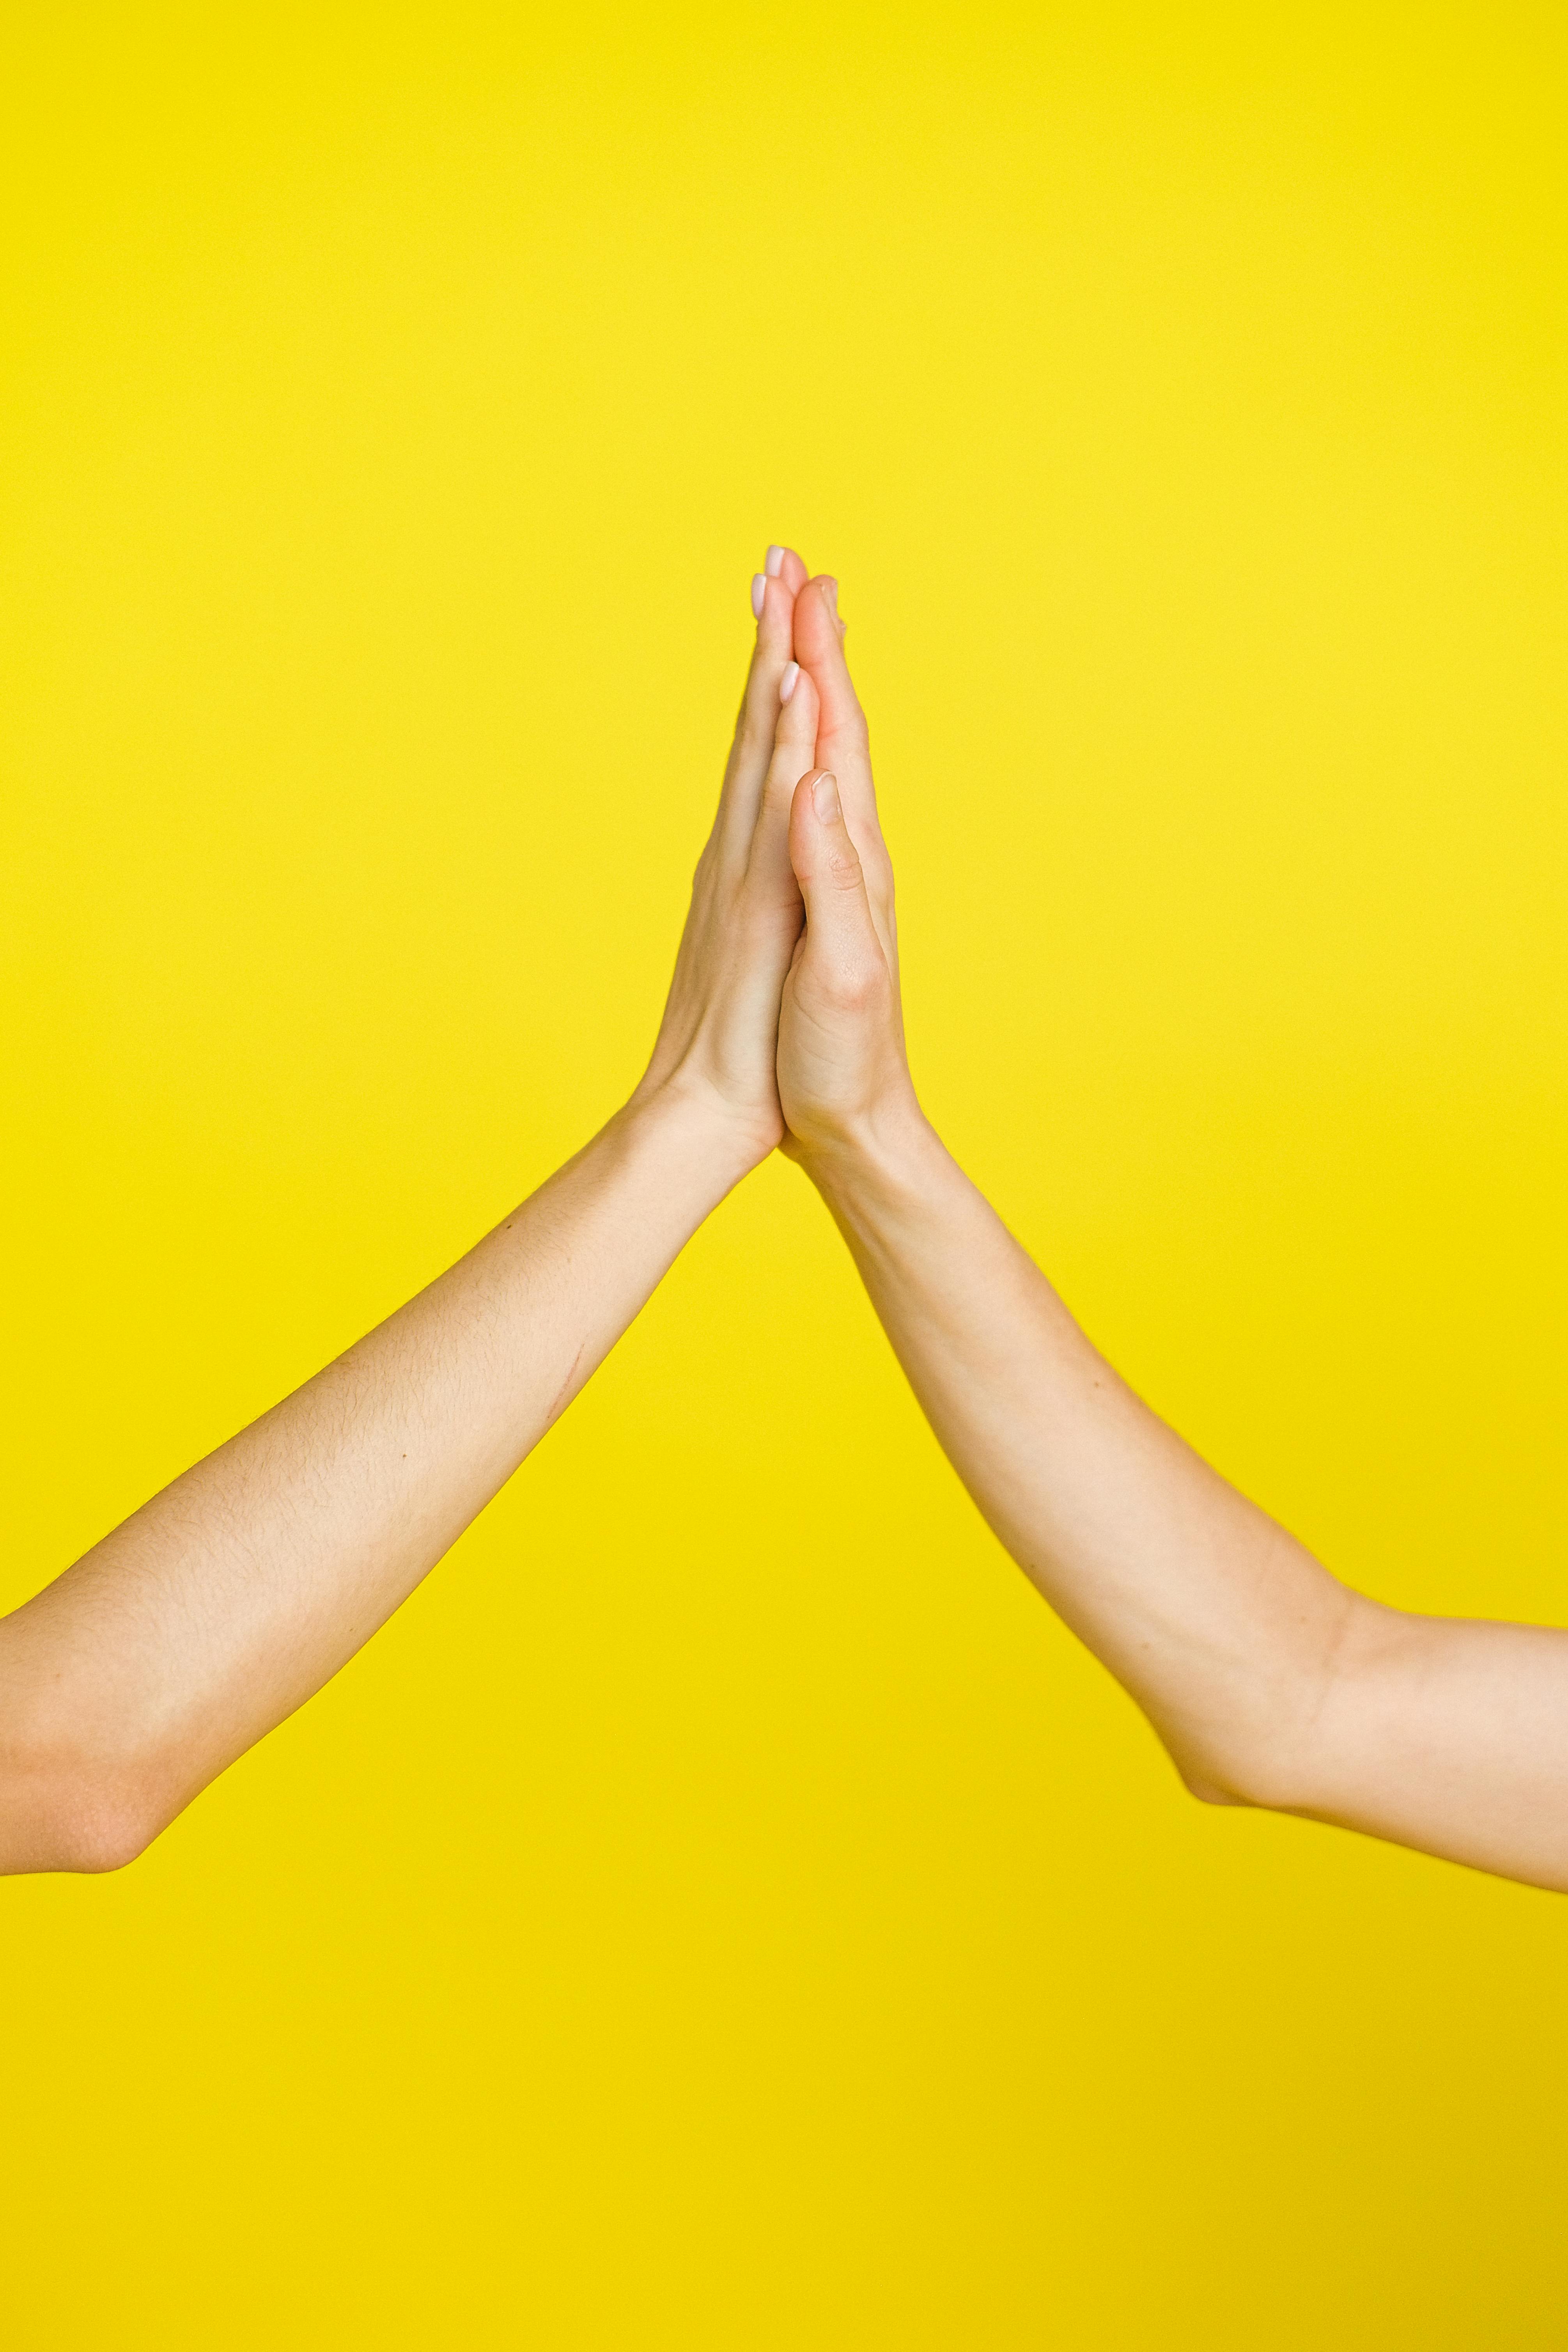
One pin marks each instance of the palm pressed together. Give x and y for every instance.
(135, 1677)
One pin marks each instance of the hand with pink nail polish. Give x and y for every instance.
(719, 1036)
(136, 1677)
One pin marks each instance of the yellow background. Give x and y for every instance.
(723, 1909)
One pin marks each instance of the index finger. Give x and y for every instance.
(844, 746)
(842, 740)
(772, 600)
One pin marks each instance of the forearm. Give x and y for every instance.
(1269, 1682)
(225, 1601)
(1218, 1623)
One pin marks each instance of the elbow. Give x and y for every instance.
(83, 1829)
(1209, 1790)
(60, 1813)
(99, 1827)
(85, 1775)
(1274, 1739)
(1265, 1769)
(1270, 1763)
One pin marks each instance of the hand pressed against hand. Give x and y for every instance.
(843, 1076)
(720, 1032)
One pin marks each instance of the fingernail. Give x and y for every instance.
(830, 593)
(825, 799)
(759, 590)
(786, 683)
(775, 563)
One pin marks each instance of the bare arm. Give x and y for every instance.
(1270, 1682)
(133, 1679)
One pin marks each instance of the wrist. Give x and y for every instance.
(685, 1117)
(883, 1150)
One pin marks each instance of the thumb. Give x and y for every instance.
(840, 935)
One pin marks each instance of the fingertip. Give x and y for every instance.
(773, 601)
(816, 811)
(802, 812)
(803, 794)
(799, 709)
(830, 607)
(817, 623)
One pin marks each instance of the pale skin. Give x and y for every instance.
(1269, 1682)
(138, 1675)
(134, 1680)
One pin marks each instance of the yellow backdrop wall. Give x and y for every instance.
(723, 1909)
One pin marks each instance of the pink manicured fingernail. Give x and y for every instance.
(759, 590)
(786, 683)
(775, 563)
(825, 798)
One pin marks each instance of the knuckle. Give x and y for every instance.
(855, 984)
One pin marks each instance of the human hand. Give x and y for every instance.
(717, 1042)
(843, 1076)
